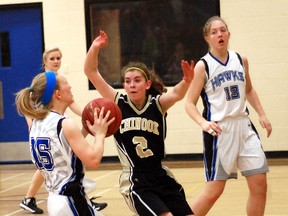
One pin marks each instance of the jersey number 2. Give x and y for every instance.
(141, 148)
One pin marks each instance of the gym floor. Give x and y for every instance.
(15, 180)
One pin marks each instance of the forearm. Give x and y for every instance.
(254, 101)
(91, 61)
(76, 109)
(193, 112)
(98, 148)
(176, 94)
(84, 132)
(180, 90)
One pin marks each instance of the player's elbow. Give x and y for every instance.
(93, 163)
(180, 96)
(87, 71)
(177, 96)
(187, 106)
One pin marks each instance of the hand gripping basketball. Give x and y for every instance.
(108, 104)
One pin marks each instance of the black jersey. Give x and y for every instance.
(140, 138)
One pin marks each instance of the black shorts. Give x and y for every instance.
(155, 192)
(78, 203)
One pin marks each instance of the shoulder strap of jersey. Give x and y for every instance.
(59, 125)
(206, 66)
(240, 59)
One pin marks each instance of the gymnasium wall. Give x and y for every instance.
(258, 30)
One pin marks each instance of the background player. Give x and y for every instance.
(230, 139)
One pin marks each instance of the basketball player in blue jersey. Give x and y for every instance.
(147, 186)
(51, 61)
(230, 140)
(58, 147)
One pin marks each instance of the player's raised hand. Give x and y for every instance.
(101, 41)
(188, 70)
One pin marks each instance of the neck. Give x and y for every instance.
(141, 103)
(219, 53)
(55, 111)
(58, 109)
(222, 56)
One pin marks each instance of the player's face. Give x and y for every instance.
(136, 85)
(53, 61)
(64, 92)
(218, 36)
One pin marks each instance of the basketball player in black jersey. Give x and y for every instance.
(147, 186)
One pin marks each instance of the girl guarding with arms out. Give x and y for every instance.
(147, 186)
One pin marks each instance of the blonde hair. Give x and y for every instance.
(46, 53)
(207, 25)
(28, 101)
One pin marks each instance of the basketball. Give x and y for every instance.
(87, 114)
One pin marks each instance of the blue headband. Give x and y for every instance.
(49, 89)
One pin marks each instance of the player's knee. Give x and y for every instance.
(166, 214)
(261, 190)
(212, 197)
(213, 191)
(258, 185)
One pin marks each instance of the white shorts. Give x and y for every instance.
(89, 185)
(58, 205)
(238, 147)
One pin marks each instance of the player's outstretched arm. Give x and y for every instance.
(178, 92)
(91, 67)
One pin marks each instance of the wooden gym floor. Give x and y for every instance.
(15, 179)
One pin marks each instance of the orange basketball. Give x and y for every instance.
(87, 114)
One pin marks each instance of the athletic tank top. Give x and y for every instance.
(140, 139)
(223, 94)
(52, 154)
